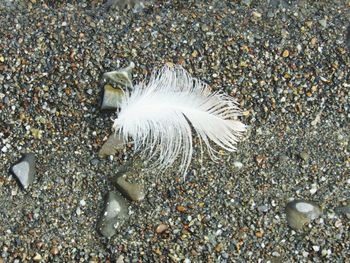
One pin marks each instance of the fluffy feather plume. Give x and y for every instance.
(159, 117)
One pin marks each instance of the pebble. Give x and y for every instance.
(37, 257)
(301, 212)
(54, 250)
(285, 53)
(304, 156)
(24, 170)
(122, 76)
(111, 146)
(134, 192)
(112, 98)
(323, 22)
(246, 2)
(263, 208)
(347, 39)
(161, 228)
(114, 214)
(238, 165)
(343, 210)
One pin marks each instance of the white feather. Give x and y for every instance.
(159, 117)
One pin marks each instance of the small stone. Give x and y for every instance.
(181, 208)
(36, 133)
(122, 76)
(323, 22)
(111, 98)
(238, 165)
(54, 251)
(161, 228)
(256, 14)
(111, 146)
(259, 234)
(133, 192)
(24, 170)
(195, 54)
(301, 212)
(304, 156)
(347, 39)
(114, 214)
(2, 59)
(285, 53)
(263, 208)
(204, 28)
(37, 257)
(246, 2)
(343, 210)
(120, 259)
(316, 248)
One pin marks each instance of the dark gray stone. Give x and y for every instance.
(24, 170)
(114, 215)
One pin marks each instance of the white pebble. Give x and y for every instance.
(238, 165)
(316, 248)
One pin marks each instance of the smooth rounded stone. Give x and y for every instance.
(134, 192)
(112, 98)
(114, 214)
(301, 212)
(111, 146)
(343, 210)
(161, 228)
(304, 155)
(24, 170)
(122, 76)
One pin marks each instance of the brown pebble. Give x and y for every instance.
(54, 250)
(259, 234)
(181, 208)
(285, 53)
(161, 228)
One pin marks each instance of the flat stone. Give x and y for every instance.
(111, 146)
(111, 98)
(343, 210)
(114, 214)
(134, 192)
(301, 212)
(122, 76)
(24, 170)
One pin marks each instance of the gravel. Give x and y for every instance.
(286, 63)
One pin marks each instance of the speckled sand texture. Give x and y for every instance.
(286, 63)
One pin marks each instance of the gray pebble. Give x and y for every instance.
(24, 170)
(114, 214)
(347, 39)
(323, 22)
(343, 210)
(111, 146)
(134, 192)
(263, 208)
(301, 212)
(111, 97)
(122, 76)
